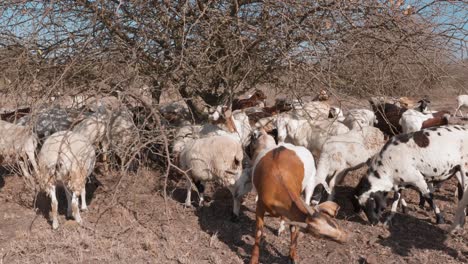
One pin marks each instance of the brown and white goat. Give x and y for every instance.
(277, 176)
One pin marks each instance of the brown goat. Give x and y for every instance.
(388, 117)
(277, 177)
(253, 100)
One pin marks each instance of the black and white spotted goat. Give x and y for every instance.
(413, 160)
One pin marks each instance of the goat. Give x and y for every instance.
(253, 100)
(66, 157)
(357, 118)
(336, 113)
(344, 153)
(388, 116)
(221, 162)
(462, 102)
(277, 176)
(310, 134)
(412, 120)
(413, 159)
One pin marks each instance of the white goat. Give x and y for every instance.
(428, 155)
(214, 158)
(357, 118)
(308, 133)
(66, 157)
(344, 153)
(336, 113)
(462, 102)
(17, 146)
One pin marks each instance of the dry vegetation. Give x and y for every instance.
(207, 52)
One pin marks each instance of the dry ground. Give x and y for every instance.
(129, 222)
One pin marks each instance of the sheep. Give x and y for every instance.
(18, 146)
(310, 134)
(278, 172)
(357, 118)
(413, 159)
(344, 153)
(50, 120)
(462, 102)
(66, 157)
(257, 98)
(413, 120)
(122, 137)
(221, 162)
(94, 126)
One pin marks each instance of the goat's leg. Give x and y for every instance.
(282, 226)
(75, 208)
(259, 215)
(292, 249)
(201, 190)
(235, 204)
(188, 199)
(54, 207)
(422, 201)
(68, 194)
(427, 194)
(84, 207)
(396, 200)
(430, 199)
(404, 205)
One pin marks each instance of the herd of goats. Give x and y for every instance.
(289, 153)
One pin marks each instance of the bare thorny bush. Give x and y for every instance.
(208, 52)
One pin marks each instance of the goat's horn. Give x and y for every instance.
(299, 224)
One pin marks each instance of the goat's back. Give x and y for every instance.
(277, 175)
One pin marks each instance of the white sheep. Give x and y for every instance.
(66, 157)
(308, 133)
(462, 102)
(414, 159)
(344, 153)
(122, 137)
(214, 158)
(357, 118)
(17, 146)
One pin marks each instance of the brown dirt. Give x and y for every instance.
(127, 223)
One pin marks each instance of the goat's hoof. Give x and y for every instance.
(55, 225)
(84, 209)
(440, 219)
(235, 218)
